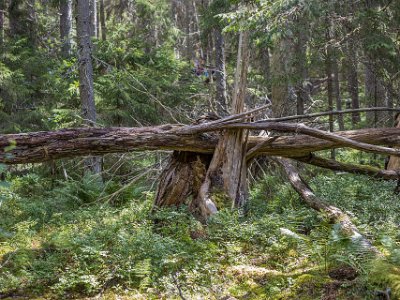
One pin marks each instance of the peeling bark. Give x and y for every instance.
(43, 146)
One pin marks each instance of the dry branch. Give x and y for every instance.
(47, 145)
(349, 168)
(293, 128)
(328, 113)
(335, 214)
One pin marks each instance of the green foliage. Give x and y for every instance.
(59, 240)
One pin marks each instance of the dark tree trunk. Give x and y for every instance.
(103, 21)
(330, 87)
(338, 97)
(2, 10)
(86, 90)
(352, 79)
(32, 24)
(374, 96)
(66, 27)
(282, 100)
(300, 62)
(220, 76)
(15, 16)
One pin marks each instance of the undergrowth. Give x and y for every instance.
(66, 239)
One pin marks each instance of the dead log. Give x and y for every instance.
(334, 165)
(43, 146)
(335, 215)
(394, 162)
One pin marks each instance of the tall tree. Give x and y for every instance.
(283, 98)
(2, 11)
(332, 72)
(93, 17)
(220, 76)
(300, 62)
(103, 21)
(86, 90)
(352, 78)
(374, 95)
(66, 27)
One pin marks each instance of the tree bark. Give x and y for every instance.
(332, 72)
(349, 168)
(93, 17)
(282, 100)
(43, 146)
(300, 63)
(2, 11)
(374, 95)
(66, 27)
(86, 91)
(103, 21)
(352, 78)
(180, 183)
(220, 76)
(394, 162)
(15, 15)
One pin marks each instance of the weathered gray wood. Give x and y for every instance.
(47, 145)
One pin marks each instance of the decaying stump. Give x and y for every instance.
(181, 180)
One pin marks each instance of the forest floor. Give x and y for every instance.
(70, 240)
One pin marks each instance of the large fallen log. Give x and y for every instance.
(48, 145)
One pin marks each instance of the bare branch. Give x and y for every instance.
(335, 214)
(328, 113)
(349, 168)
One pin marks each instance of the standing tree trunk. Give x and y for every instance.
(336, 81)
(332, 72)
(220, 76)
(32, 23)
(66, 27)
(15, 14)
(300, 62)
(374, 96)
(352, 79)
(282, 98)
(86, 90)
(2, 10)
(93, 17)
(103, 21)
(330, 83)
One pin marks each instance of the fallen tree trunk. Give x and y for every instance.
(47, 145)
(334, 165)
(335, 215)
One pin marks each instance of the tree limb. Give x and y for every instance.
(335, 214)
(328, 113)
(334, 165)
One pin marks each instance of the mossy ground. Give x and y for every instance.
(66, 239)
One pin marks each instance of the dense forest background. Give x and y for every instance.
(85, 227)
